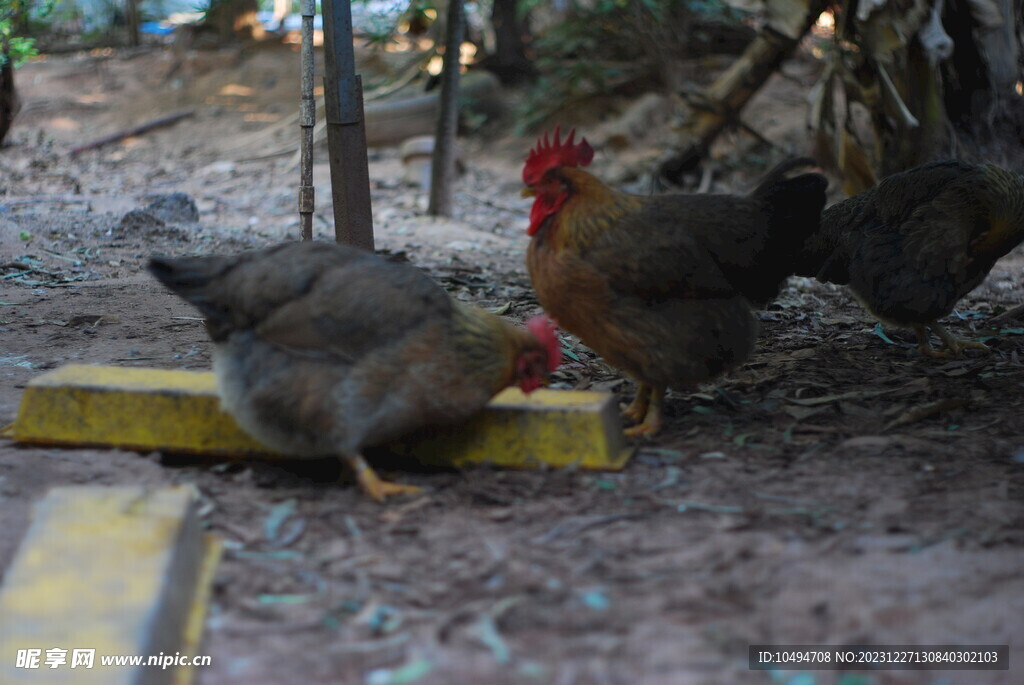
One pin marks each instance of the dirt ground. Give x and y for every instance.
(798, 500)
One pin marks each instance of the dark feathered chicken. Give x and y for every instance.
(912, 246)
(324, 350)
(661, 286)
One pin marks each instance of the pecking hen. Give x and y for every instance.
(324, 350)
(920, 240)
(661, 286)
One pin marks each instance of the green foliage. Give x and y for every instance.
(601, 45)
(202, 6)
(379, 23)
(13, 17)
(18, 49)
(14, 9)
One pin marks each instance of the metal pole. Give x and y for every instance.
(346, 132)
(307, 119)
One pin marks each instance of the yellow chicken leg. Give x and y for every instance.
(652, 420)
(924, 346)
(953, 345)
(373, 484)
(957, 345)
(637, 409)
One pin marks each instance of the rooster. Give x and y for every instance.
(661, 286)
(920, 240)
(324, 350)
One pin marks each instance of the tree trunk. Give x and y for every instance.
(131, 22)
(232, 19)
(443, 172)
(9, 102)
(511, 33)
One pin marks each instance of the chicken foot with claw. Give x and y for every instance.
(953, 345)
(637, 409)
(652, 420)
(374, 485)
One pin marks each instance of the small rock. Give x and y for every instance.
(139, 220)
(174, 208)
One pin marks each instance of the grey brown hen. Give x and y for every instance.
(915, 244)
(324, 350)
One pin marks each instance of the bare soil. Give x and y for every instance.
(806, 498)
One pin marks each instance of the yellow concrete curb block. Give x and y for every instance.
(179, 411)
(118, 571)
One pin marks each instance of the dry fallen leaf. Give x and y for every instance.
(876, 442)
(923, 411)
(828, 399)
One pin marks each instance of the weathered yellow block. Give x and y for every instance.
(120, 570)
(145, 409)
(545, 428)
(179, 411)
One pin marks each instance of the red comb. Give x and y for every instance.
(548, 155)
(544, 330)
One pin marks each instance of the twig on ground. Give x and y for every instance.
(134, 131)
(1008, 315)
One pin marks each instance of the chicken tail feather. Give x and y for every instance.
(793, 207)
(190, 277)
(780, 174)
(184, 275)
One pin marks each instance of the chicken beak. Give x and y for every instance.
(527, 192)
